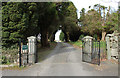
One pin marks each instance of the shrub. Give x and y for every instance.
(62, 36)
(95, 36)
(9, 55)
(5, 60)
(81, 36)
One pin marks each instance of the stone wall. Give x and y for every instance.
(112, 45)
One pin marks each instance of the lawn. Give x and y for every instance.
(102, 44)
(79, 44)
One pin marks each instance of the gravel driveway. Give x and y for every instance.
(65, 60)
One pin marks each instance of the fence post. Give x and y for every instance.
(99, 53)
(20, 53)
(36, 60)
(82, 50)
(27, 57)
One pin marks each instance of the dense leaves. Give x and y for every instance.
(21, 20)
(98, 22)
(62, 36)
(69, 25)
(24, 19)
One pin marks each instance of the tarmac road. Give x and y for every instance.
(65, 60)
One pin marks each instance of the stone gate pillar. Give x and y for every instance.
(112, 45)
(108, 42)
(87, 48)
(31, 49)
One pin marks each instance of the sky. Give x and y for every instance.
(86, 3)
(79, 4)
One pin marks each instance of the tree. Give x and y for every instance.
(21, 20)
(89, 24)
(18, 21)
(24, 19)
(61, 36)
(112, 22)
(96, 21)
(12, 26)
(45, 23)
(70, 19)
(103, 23)
(82, 17)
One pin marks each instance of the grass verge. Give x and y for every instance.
(77, 44)
(44, 52)
(14, 68)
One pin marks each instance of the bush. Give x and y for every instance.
(5, 34)
(62, 36)
(9, 55)
(5, 60)
(95, 36)
(81, 36)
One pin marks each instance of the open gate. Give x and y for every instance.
(91, 51)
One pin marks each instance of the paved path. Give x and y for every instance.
(64, 60)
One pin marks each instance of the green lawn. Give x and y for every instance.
(79, 44)
(102, 44)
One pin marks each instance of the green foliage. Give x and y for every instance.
(95, 36)
(5, 60)
(21, 20)
(9, 55)
(77, 43)
(69, 22)
(62, 36)
(5, 34)
(112, 23)
(11, 23)
(81, 36)
(88, 22)
(105, 22)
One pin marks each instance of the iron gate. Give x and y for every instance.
(91, 52)
(24, 53)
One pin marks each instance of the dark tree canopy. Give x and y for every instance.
(24, 19)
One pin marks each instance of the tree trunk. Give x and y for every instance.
(98, 37)
(103, 35)
(44, 39)
(52, 38)
(66, 37)
(103, 32)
